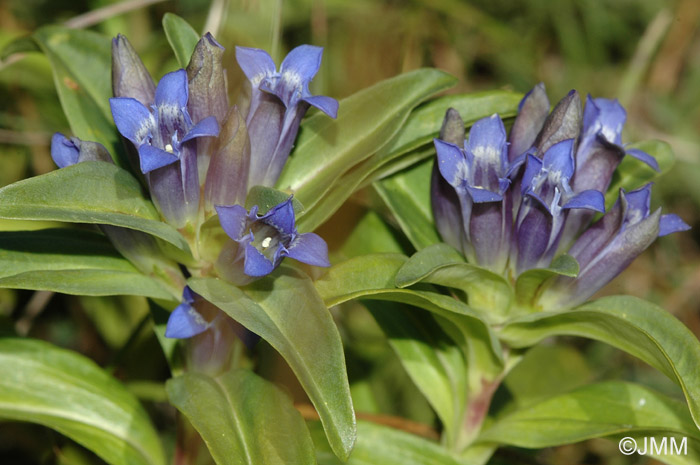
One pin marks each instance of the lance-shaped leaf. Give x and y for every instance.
(90, 192)
(81, 63)
(407, 195)
(67, 392)
(381, 445)
(243, 419)
(611, 409)
(440, 264)
(638, 327)
(70, 261)
(288, 313)
(366, 121)
(350, 280)
(181, 36)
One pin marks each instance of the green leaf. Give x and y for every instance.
(381, 445)
(431, 358)
(633, 174)
(181, 36)
(411, 144)
(350, 280)
(267, 197)
(440, 264)
(89, 192)
(286, 311)
(638, 327)
(19, 45)
(597, 410)
(67, 392)
(531, 282)
(243, 419)
(81, 63)
(70, 261)
(370, 235)
(367, 120)
(407, 194)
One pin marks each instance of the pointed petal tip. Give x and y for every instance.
(672, 223)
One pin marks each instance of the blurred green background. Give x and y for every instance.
(644, 52)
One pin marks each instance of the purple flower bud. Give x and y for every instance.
(564, 122)
(610, 245)
(443, 197)
(163, 136)
(478, 175)
(130, 78)
(261, 242)
(278, 101)
(532, 113)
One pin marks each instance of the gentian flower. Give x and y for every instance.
(478, 175)
(161, 135)
(278, 102)
(546, 197)
(261, 242)
(610, 245)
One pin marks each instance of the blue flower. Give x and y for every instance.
(263, 241)
(278, 101)
(606, 248)
(185, 321)
(478, 175)
(163, 136)
(546, 198)
(160, 132)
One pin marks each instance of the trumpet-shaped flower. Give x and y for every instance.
(262, 241)
(278, 102)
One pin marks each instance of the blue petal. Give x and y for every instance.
(479, 195)
(256, 264)
(281, 217)
(64, 151)
(301, 65)
(671, 223)
(172, 90)
(643, 156)
(590, 199)
(208, 127)
(133, 120)
(638, 200)
(609, 119)
(532, 168)
(233, 220)
(185, 322)
(153, 158)
(487, 140)
(451, 162)
(309, 248)
(255, 63)
(327, 105)
(560, 158)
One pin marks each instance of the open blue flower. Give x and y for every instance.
(160, 132)
(263, 241)
(478, 175)
(546, 197)
(278, 102)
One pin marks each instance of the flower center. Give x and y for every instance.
(168, 148)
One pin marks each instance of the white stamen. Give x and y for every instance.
(266, 242)
(168, 148)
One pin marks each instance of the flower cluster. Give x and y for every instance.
(511, 203)
(200, 156)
